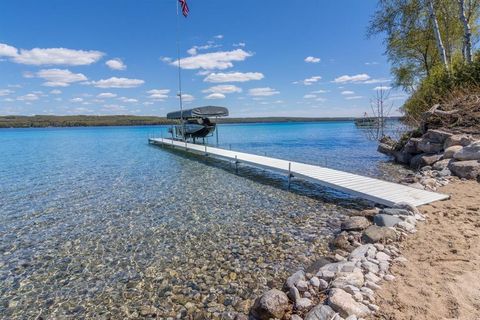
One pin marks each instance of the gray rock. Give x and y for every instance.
(465, 169)
(321, 312)
(317, 264)
(323, 284)
(450, 151)
(389, 277)
(402, 156)
(359, 252)
(341, 241)
(367, 290)
(370, 266)
(385, 220)
(385, 148)
(326, 275)
(470, 152)
(406, 226)
(411, 146)
(271, 304)
(303, 304)
(429, 147)
(352, 317)
(458, 140)
(315, 282)
(407, 206)
(354, 278)
(441, 165)
(397, 212)
(355, 223)
(371, 277)
(295, 317)
(436, 136)
(294, 294)
(302, 285)
(345, 305)
(382, 256)
(375, 234)
(294, 279)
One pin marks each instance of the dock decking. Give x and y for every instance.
(379, 191)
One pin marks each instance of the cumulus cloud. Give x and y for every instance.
(382, 88)
(194, 50)
(226, 88)
(116, 64)
(262, 92)
(219, 36)
(59, 77)
(5, 92)
(320, 91)
(106, 95)
(187, 97)
(309, 96)
(50, 56)
(215, 96)
(115, 82)
(233, 77)
(28, 97)
(56, 91)
(128, 100)
(311, 80)
(158, 94)
(347, 92)
(76, 100)
(352, 79)
(212, 60)
(240, 44)
(311, 59)
(353, 97)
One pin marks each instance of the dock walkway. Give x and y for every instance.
(379, 191)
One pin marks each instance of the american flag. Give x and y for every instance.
(185, 9)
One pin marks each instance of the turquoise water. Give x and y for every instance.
(97, 223)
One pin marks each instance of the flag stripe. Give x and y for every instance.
(185, 9)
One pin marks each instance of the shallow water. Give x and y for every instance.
(96, 223)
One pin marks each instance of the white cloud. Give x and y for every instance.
(311, 80)
(320, 91)
(7, 51)
(309, 96)
(113, 107)
(353, 97)
(106, 95)
(50, 56)
(76, 100)
(262, 92)
(219, 36)
(373, 81)
(383, 88)
(311, 59)
(240, 44)
(355, 78)
(56, 91)
(115, 82)
(116, 64)
(371, 63)
(187, 97)
(128, 100)
(226, 88)
(347, 92)
(194, 50)
(28, 97)
(158, 94)
(59, 77)
(215, 96)
(233, 77)
(5, 92)
(213, 60)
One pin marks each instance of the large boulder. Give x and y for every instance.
(423, 159)
(272, 304)
(385, 148)
(345, 304)
(470, 152)
(412, 146)
(385, 220)
(465, 169)
(294, 279)
(442, 164)
(436, 136)
(322, 312)
(450, 151)
(402, 156)
(429, 147)
(458, 140)
(375, 234)
(354, 278)
(355, 223)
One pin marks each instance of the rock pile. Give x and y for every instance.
(343, 286)
(439, 152)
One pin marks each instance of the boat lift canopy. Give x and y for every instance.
(200, 112)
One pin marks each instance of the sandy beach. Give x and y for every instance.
(441, 279)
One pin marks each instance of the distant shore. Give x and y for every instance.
(44, 121)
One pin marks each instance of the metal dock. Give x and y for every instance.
(379, 191)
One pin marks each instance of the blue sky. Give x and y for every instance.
(258, 58)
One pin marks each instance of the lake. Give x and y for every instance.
(97, 223)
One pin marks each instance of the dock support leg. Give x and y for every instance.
(289, 174)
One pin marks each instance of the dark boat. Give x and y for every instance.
(195, 123)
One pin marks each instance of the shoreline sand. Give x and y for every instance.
(441, 279)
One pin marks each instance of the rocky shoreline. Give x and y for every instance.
(342, 285)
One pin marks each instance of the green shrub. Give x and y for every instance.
(439, 85)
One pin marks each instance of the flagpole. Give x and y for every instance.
(180, 73)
